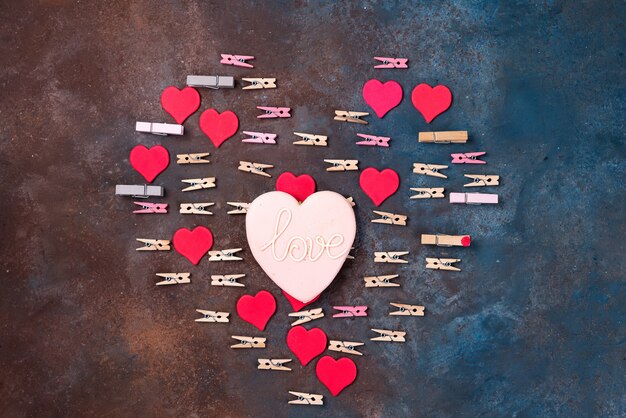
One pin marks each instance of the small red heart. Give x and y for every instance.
(218, 126)
(379, 185)
(149, 162)
(382, 97)
(193, 244)
(180, 103)
(306, 345)
(466, 241)
(336, 375)
(257, 309)
(296, 304)
(300, 187)
(431, 101)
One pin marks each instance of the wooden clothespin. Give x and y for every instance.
(350, 116)
(407, 310)
(374, 141)
(154, 244)
(274, 364)
(350, 256)
(240, 208)
(390, 257)
(229, 280)
(248, 342)
(225, 255)
(390, 218)
(259, 138)
(212, 316)
(428, 193)
(211, 81)
(306, 398)
(350, 200)
(142, 191)
(199, 184)
(173, 278)
(198, 158)
(392, 62)
(195, 208)
(259, 83)
(160, 128)
(236, 60)
(274, 112)
(442, 240)
(350, 311)
(444, 137)
(381, 281)
(342, 165)
(388, 335)
(468, 158)
(429, 170)
(311, 139)
(306, 316)
(345, 347)
(254, 168)
(480, 180)
(442, 264)
(147, 207)
(474, 198)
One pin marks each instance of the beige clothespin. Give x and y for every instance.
(173, 278)
(443, 137)
(306, 316)
(381, 281)
(254, 168)
(154, 244)
(388, 335)
(311, 139)
(350, 200)
(199, 184)
(345, 347)
(259, 83)
(442, 264)
(192, 158)
(227, 280)
(390, 257)
(390, 218)
(196, 208)
(240, 208)
(306, 398)
(342, 165)
(225, 255)
(446, 240)
(273, 364)
(480, 180)
(407, 310)
(350, 116)
(429, 170)
(428, 192)
(212, 316)
(248, 342)
(350, 256)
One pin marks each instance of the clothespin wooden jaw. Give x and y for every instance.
(195, 208)
(474, 198)
(468, 158)
(480, 180)
(248, 342)
(347, 347)
(428, 193)
(442, 264)
(254, 168)
(198, 158)
(163, 129)
(229, 280)
(199, 184)
(442, 240)
(350, 311)
(407, 310)
(311, 139)
(389, 335)
(237, 60)
(306, 398)
(154, 244)
(147, 207)
(342, 165)
(173, 278)
(350, 116)
(306, 316)
(274, 112)
(241, 208)
(429, 170)
(259, 83)
(443, 137)
(381, 281)
(273, 364)
(374, 141)
(225, 255)
(390, 257)
(211, 81)
(392, 62)
(212, 316)
(142, 191)
(390, 218)
(259, 138)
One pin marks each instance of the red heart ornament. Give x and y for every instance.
(336, 375)
(300, 187)
(193, 244)
(379, 185)
(431, 101)
(180, 103)
(218, 126)
(306, 345)
(149, 162)
(257, 309)
(296, 304)
(382, 97)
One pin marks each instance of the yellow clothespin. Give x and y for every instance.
(390, 257)
(388, 335)
(248, 342)
(381, 281)
(429, 170)
(389, 218)
(443, 137)
(259, 83)
(428, 192)
(173, 278)
(350, 116)
(198, 184)
(344, 347)
(311, 139)
(198, 158)
(480, 180)
(212, 316)
(273, 364)
(154, 244)
(306, 316)
(224, 255)
(442, 264)
(227, 280)
(306, 398)
(342, 165)
(407, 310)
(195, 208)
(240, 208)
(254, 168)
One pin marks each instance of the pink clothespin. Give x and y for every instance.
(350, 311)
(274, 112)
(371, 140)
(468, 158)
(259, 138)
(147, 207)
(474, 198)
(236, 60)
(391, 62)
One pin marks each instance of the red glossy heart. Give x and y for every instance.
(431, 101)
(180, 103)
(336, 375)
(379, 185)
(257, 309)
(306, 345)
(296, 304)
(300, 187)
(218, 126)
(382, 97)
(149, 162)
(193, 244)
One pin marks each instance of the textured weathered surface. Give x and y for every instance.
(532, 326)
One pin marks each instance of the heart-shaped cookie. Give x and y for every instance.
(306, 345)
(193, 245)
(257, 309)
(300, 187)
(301, 247)
(379, 185)
(431, 101)
(296, 304)
(382, 97)
(336, 375)
(149, 162)
(180, 103)
(219, 126)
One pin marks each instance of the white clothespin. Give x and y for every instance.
(390, 257)
(429, 170)
(254, 168)
(306, 398)
(248, 342)
(195, 208)
(350, 116)
(259, 83)
(428, 193)
(311, 139)
(381, 281)
(154, 244)
(198, 158)
(273, 364)
(142, 191)
(227, 280)
(240, 208)
(482, 180)
(442, 264)
(407, 310)
(306, 316)
(225, 255)
(160, 128)
(342, 165)
(199, 184)
(388, 335)
(211, 81)
(390, 218)
(212, 316)
(344, 347)
(173, 278)
(259, 138)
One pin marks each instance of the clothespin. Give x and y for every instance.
(381, 281)
(392, 62)
(199, 184)
(248, 342)
(195, 208)
(259, 138)
(225, 255)
(236, 60)
(446, 240)
(173, 278)
(390, 218)
(274, 112)
(344, 347)
(388, 335)
(371, 140)
(350, 311)
(390, 257)
(474, 198)
(142, 191)
(311, 139)
(254, 168)
(198, 158)
(260, 83)
(306, 316)
(350, 200)
(350, 256)
(273, 364)
(211, 81)
(444, 137)
(428, 192)
(240, 208)
(154, 244)
(442, 264)
(306, 398)
(342, 165)
(160, 128)
(429, 170)
(407, 310)
(147, 207)
(229, 280)
(480, 180)
(468, 158)
(350, 116)
(212, 316)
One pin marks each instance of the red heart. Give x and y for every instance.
(218, 126)
(382, 97)
(379, 185)
(300, 187)
(149, 162)
(180, 103)
(431, 102)
(335, 374)
(306, 345)
(193, 244)
(296, 304)
(258, 309)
